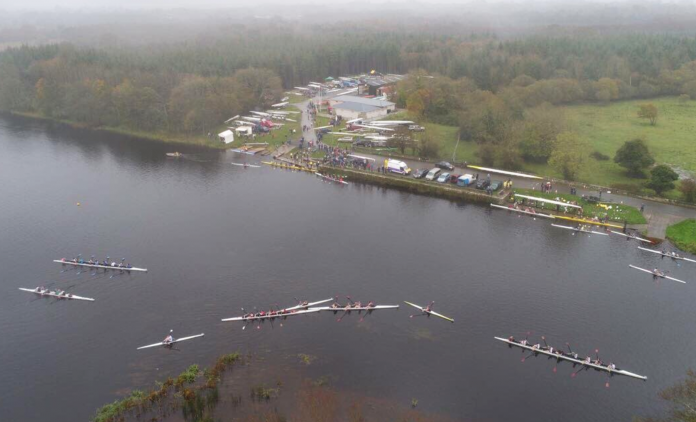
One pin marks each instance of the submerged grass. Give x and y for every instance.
(196, 402)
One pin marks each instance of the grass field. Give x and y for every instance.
(605, 128)
(683, 235)
(615, 212)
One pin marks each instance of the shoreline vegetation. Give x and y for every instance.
(683, 235)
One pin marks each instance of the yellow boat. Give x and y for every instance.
(287, 166)
(581, 220)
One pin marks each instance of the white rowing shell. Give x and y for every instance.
(576, 361)
(330, 179)
(632, 237)
(245, 165)
(363, 308)
(667, 255)
(308, 305)
(176, 340)
(652, 273)
(89, 299)
(109, 267)
(255, 318)
(429, 312)
(578, 230)
(523, 211)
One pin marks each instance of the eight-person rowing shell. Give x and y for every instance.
(59, 294)
(586, 362)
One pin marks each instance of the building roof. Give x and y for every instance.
(362, 100)
(362, 108)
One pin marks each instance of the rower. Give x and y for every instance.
(523, 342)
(611, 367)
(370, 304)
(588, 360)
(169, 339)
(511, 339)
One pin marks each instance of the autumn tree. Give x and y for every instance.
(649, 112)
(688, 190)
(541, 127)
(634, 156)
(568, 155)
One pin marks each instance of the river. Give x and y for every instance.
(216, 237)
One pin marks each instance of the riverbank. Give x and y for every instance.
(420, 187)
(683, 235)
(151, 136)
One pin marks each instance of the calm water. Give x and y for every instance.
(216, 237)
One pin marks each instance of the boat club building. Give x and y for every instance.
(351, 107)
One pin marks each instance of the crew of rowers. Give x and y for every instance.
(60, 293)
(104, 263)
(672, 254)
(333, 178)
(561, 353)
(270, 313)
(349, 306)
(657, 273)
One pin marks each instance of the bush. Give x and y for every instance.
(599, 156)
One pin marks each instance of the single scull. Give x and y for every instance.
(171, 343)
(428, 311)
(660, 274)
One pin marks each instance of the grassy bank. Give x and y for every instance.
(152, 136)
(617, 213)
(683, 235)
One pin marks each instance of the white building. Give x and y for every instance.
(227, 136)
(350, 107)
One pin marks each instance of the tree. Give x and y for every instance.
(401, 139)
(648, 111)
(567, 156)
(688, 190)
(541, 127)
(662, 179)
(682, 398)
(428, 146)
(634, 157)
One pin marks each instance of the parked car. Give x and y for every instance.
(432, 174)
(420, 173)
(592, 199)
(495, 185)
(483, 184)
(444, 177)
(445, 165)
(465, 180)
(453, 178)
(416, 128)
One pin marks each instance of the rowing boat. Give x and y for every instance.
(245, 165)
(56, 295)
(666, 254)
(174, 154)
(350, 309)
(171, 343)
(632, 237)
(429, 312)
(106, 267)
(656, 275)
(286, 166)
(308, 305)
(575, 361)
(331, 179)
(273, 316)
(523, 211)
(575, 229)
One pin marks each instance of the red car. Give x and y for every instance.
(453, 178)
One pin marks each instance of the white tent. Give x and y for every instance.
(226, 136)
(245, 130)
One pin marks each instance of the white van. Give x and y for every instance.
(396, 166)
(432, 174)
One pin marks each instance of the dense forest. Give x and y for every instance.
(192, 86)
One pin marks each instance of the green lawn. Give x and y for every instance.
(617, 213)
(683, 235)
